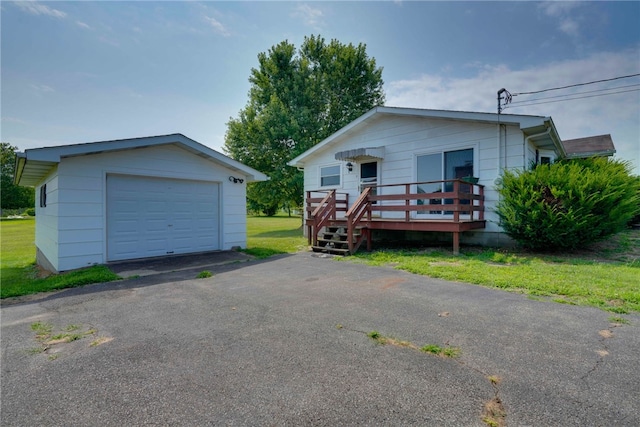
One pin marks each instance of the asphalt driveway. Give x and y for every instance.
(284, 342)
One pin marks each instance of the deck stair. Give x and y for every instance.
(333, 239)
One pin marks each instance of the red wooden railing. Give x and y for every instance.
(464, 203)
(322, 209)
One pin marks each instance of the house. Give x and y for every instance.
(408, 170)
(134, 198)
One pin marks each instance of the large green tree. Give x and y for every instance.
(11, 195)
(297, 98)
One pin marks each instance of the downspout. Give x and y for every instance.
(526, 141)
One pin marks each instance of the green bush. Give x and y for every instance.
(568, 204)
(30, 211)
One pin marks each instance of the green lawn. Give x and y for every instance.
(612, 282)
(268, 236)
(607, 277)
(18, 274)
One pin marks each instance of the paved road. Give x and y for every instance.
(284, 342)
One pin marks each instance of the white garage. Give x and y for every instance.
(134, 198)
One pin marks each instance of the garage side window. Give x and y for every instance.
(330, 176)
(43, 196)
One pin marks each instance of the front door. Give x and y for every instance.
(368, 175)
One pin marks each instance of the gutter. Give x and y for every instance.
(526, 141)
(21, 160)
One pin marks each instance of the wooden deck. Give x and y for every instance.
(333, 225)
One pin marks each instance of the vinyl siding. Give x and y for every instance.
(406, 137)
(80, 214)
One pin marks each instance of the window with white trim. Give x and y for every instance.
(442, 166)
(330, 176)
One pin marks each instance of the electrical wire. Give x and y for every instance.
(571, 99)
(576, 85)
(577, 93)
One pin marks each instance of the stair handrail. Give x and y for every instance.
(322, 213)
(354, 215)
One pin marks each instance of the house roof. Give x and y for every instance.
(600, 145)
(34, 164)
(540, 129)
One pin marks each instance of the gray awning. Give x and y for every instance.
(359, 154)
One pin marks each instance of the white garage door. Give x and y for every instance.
(149, 217)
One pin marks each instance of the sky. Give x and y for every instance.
(85, 71)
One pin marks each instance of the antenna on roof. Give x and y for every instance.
(506, 97)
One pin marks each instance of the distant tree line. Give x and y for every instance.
(13, 196)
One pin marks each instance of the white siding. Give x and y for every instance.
(405, 137)
(79, 212)
(47, 220)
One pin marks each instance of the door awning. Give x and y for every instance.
(359, 154)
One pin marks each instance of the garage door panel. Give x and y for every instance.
(153, 216)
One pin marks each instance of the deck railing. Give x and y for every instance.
(456, 202)
(321, 207)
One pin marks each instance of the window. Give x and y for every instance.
(442, 166)
(43, 196)
(330, 176)
(545, 160)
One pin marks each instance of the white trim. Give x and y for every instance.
(53, 155)
(340, 175)
(523, 121)
(454, 147)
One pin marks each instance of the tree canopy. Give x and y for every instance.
(297, 98)
(12, 196)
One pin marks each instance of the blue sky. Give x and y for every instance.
(91, 71)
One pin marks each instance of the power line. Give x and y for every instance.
(576, 85)
(571, 99)
(577, 93)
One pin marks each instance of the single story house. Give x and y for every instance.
(134, 198)
(408, 169)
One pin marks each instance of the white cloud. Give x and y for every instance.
(217, 26)
(617, 114)
(311, 16)
(36, 8)
(565, 13)
(42, 88)
(83, 25)
(558, 8)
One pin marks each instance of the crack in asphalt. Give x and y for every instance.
(493, 412)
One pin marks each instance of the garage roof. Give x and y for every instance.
(34, 164)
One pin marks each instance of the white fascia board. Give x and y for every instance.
(54, 154)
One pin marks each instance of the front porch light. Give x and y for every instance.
(349, 166)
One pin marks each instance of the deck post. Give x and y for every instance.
(456, 243)
(407, 202)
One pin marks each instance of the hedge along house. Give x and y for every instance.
(405, 169)
(134, 198)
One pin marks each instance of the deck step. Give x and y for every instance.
(330, 250)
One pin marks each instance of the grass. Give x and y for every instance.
(605, 283)
(433, 349)
(18, 272)
(280, 234)
(204, 274)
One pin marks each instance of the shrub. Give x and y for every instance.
(568, 204)
(30, 211)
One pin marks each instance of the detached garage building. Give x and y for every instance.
(134, 198)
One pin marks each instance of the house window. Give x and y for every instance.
(330, 176)
(43, 196)
(545, 160)
(442, 166)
